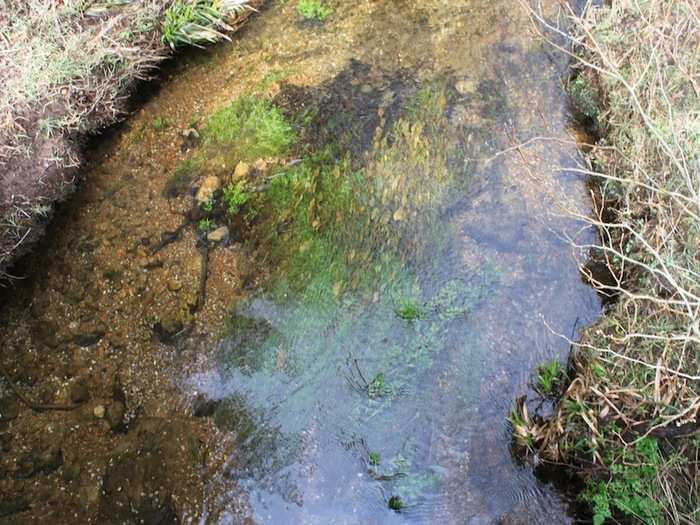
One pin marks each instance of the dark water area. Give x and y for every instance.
(363, 341)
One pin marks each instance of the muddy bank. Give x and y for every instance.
(397, 227)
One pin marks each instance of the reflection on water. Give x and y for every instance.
(412, 271)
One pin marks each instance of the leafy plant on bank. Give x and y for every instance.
(197, 22)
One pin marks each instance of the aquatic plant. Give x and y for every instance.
(248, 129)
(314, 10)
(205, 225)
(196, 22)
(396, 503)
(235, 196)
(409, 310)
(208, 206)
(161, 123)
(550, 377)
(375, 459)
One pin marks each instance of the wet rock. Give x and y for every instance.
(204, 407)
(206, 191)
(79, 392)
(115, 416)
(9, 409)
(174, 285)
(218, 235)
(13, 503)
(136, 488)
(242, 170)
(88, 335)
(190, 138)
(41, 457)
(261, 165)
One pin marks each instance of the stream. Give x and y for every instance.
(386, 291)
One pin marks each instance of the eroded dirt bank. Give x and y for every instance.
(127, 310)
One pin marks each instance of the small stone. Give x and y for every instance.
(242, 170)
(366, 88)
(218, 235)
(190, 134)
(260, 165)
(207, 189)
(79, 392)
(174, 285)
(115, 415)
(99, 411)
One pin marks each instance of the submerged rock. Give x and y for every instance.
(242, 170)
(206, 191)
(79, 392)
(219, 235)
(115, 416)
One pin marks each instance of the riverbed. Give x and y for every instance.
(350, 350)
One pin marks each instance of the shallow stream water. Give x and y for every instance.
(406, 283)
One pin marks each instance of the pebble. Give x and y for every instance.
(206, 191)
(218, 235)
(79, 392)
(242, 170)
(174, 285)
(99, 411)
(115, 415)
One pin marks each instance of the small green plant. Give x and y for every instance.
(235, 196)
(196, 22)
(250, 128)
(629, 489)
(161, 124)
(395, 503)
(409, 310)
(550, 376)
(379, 387)
(314, 10)
(584, 98)
(375, 459)
(208, 206)
(205, 225)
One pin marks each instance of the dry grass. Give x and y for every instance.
(636, 380)
(66, 67)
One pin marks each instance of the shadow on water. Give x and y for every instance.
(415, 272)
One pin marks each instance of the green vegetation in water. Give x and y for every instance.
(379, 388)
(629, 489)
(160, 124)
(209, 205)
(196, 22)
(235, 196)
(314, 10)
(205, 225)
(395, 503)
(343, 241)
(550, 377)
(248, 129)
(375, 459)
(409, 310)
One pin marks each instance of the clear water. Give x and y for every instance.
(378, 361)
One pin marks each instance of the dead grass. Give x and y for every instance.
(66, 68)
(636, 373)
